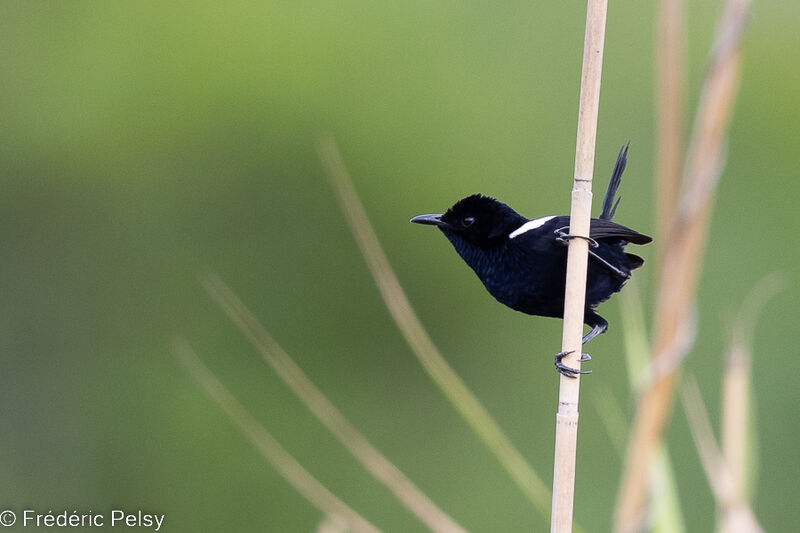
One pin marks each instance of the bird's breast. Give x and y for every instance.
(521, 280)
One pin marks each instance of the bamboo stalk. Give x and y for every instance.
(577, 258)
(288, 467)
(683, 256)
(383, 470)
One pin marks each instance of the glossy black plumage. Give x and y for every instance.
(524, 267)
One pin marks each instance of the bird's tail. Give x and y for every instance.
(609, 206)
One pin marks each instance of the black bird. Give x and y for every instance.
(523, 262)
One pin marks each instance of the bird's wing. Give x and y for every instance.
(606, 229)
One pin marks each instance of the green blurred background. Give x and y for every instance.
(142, 142)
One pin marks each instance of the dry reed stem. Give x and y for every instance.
(292, 471)
(373, 460)
(738, 514)
(577, 258)
(682, 258)
(670, 88)
(417, 337)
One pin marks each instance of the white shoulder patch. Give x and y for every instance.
(529, 225)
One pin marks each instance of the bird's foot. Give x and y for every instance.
(563, 236)
(567, 371)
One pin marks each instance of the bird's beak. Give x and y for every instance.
(431, 220)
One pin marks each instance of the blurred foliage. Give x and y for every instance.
(143, 142)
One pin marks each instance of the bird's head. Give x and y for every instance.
(477, 220)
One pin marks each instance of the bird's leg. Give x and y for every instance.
(567, 371)
(598, 323)
(596, 330)
(612, 268)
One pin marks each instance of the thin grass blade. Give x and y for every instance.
(370, 457)
(292, 471)
(453, 387)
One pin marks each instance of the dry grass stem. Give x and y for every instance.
(737, 434)
(577, 259)
(418, 339)
(682, 257)
(373, 460)
(736, 400)
(292, 471)
(738, 515)
(332, 524)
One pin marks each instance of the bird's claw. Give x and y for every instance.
(563, 236)
(568, 371)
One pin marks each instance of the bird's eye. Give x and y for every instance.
(468, 221)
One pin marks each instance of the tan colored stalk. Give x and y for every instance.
(736, 394)
(670, 89)
(370, 457)
(577, 258)
(682, 260)
(429, 356)
(292, 471)
(740, 517)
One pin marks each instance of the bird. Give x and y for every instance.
(523, 262)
